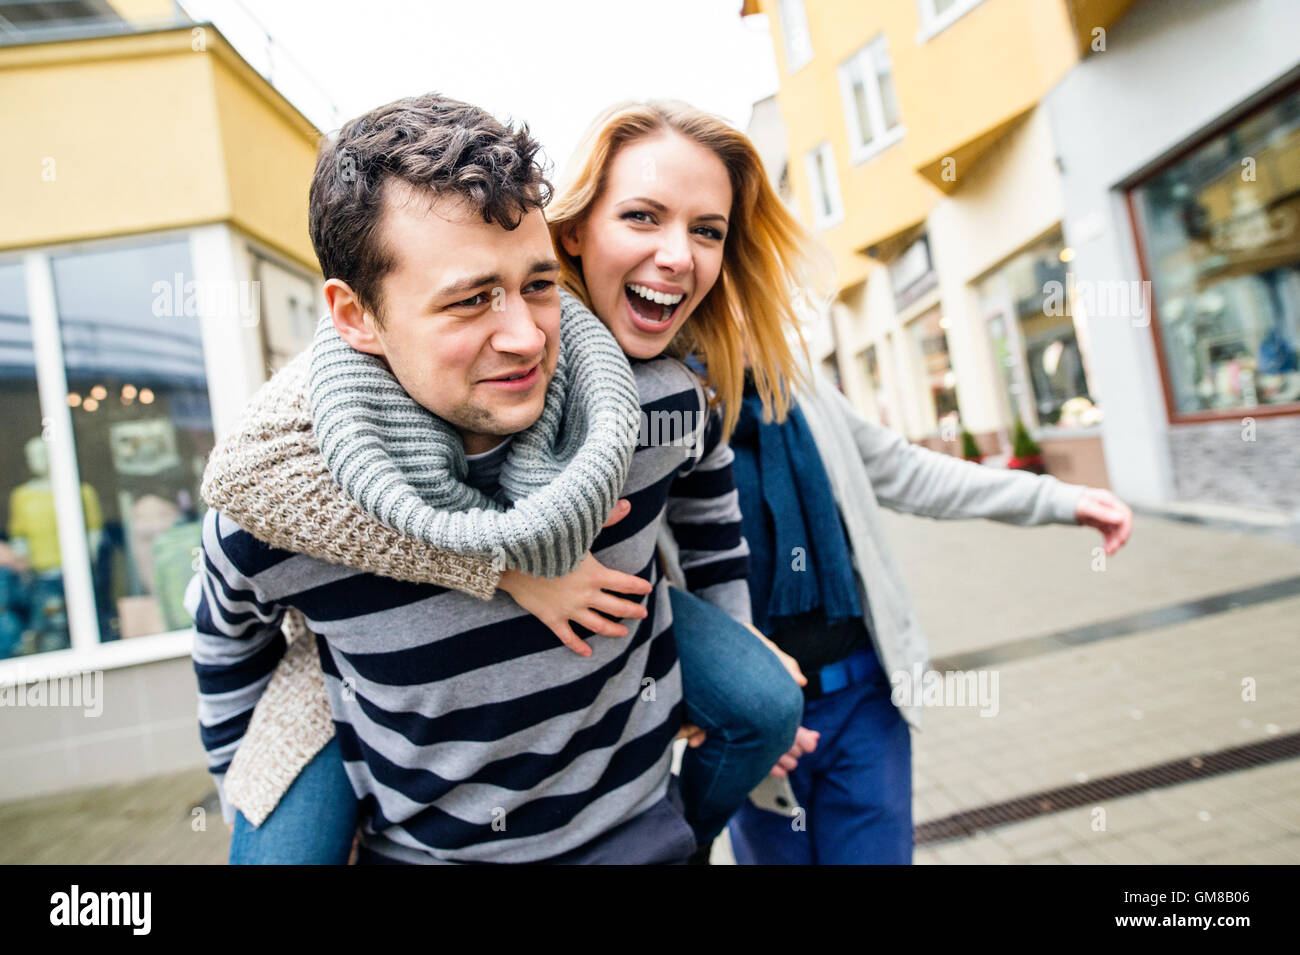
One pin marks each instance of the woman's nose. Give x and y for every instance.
(674, 253)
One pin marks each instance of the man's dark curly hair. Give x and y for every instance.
(433, 143)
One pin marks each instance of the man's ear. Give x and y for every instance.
(569, 239)
(354, 324)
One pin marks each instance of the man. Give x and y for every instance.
(468, 733)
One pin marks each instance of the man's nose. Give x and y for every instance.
(517, 330)
(674, 253)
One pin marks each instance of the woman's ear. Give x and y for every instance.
(571, 239)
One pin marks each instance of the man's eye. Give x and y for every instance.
(469, 302)
(541, 285)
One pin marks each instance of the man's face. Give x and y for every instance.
(471, 314)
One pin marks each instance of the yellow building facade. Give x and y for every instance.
(154, 265)
(919, 157)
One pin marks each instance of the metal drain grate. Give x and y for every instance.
(1202, 766)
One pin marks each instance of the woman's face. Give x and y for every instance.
(651, 245)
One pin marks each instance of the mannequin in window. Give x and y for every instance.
(34, 537)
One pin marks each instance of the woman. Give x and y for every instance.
(811, 486)
(688, 248)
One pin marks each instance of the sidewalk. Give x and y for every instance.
(1168, 687)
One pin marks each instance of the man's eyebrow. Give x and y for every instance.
(471, 282)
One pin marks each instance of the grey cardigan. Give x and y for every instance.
(870, 466)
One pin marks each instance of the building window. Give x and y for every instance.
(1219, 231)
(912, 274)
(824, 186)
(929, 337)
(938, 15)
(137, 392)
(794, 28)
(871, 371)
(33, 610)
(870, 100)
(1034, 327)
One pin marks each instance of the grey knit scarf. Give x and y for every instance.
(406, 467)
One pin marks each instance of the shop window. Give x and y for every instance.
(1030, 318)
(929, 337)
(1219, 230)
(871, 371)
(33, 611)
(142, 427)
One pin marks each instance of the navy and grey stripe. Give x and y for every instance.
(468, 731)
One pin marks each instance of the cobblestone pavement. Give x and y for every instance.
(1168, 689)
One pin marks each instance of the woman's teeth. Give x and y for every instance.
(659, 298)
(644, 300)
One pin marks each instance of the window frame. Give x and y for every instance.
(864, 60)
(832, 192)
(86, 652)
(795, 60)
(933, 23)
(1127, 195)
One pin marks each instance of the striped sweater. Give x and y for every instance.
(468, 731)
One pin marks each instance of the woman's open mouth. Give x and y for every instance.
(651, 311)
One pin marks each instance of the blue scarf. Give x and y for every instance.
(799, 555)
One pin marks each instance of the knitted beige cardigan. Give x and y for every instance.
(270, 478)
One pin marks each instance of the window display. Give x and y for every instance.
(137, 389)
(33, 614)
(1035, 344)
(1220, 233)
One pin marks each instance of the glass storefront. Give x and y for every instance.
(1220, 232)
(33, 612)
(929, 338)
(142, 427)
(1032, 334)
(127, 323)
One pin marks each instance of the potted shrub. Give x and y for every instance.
(969, 449)
(1026, 455)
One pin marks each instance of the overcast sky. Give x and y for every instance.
(554, 64)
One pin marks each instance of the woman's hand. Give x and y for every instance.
(789, 662)
(578, 596)
(805, 741)
(1104, 511)
(693, 735)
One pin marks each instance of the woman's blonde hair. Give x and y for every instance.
(768, 258)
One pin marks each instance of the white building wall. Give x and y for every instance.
(1170, 69)
(1011, 197)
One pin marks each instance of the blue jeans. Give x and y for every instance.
(736, 690)
(855, 788)
(313, 824)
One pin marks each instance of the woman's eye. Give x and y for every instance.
(710, 232)
(643, 216)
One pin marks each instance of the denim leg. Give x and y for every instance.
(313, 824)
(738, 692)
(855, 788)
(861, 806)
